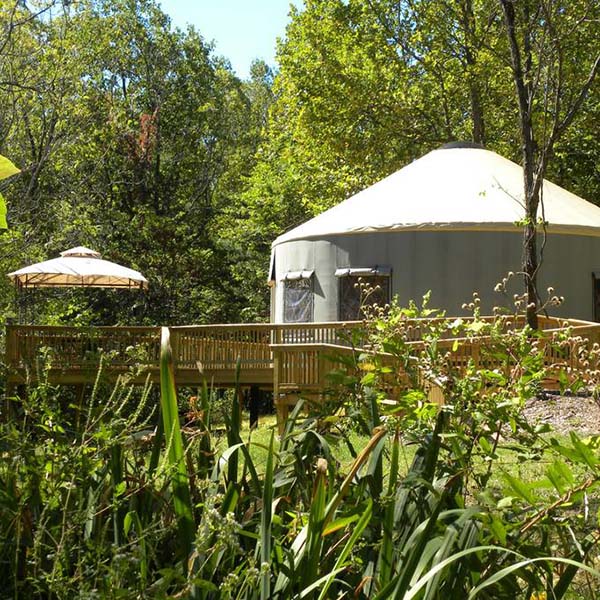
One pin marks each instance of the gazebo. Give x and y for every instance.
(78, 267)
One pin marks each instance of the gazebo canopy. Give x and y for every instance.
(78, 267)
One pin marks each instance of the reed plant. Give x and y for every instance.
(111, 498)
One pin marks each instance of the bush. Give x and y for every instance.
(93, 499)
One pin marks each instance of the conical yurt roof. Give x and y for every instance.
(459, 187)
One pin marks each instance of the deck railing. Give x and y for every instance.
(81, 347)
(220, 346)
(301, 350)
(212, 347)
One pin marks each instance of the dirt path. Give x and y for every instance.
(565, 414)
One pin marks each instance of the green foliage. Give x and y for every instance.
(366, 86)
(136, 141)
(7, 169)
(487, 505)
(175, 453)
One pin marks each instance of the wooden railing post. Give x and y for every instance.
(281, 409)
(12, 346)
(321, 372)
(175, 346)
(475, 350)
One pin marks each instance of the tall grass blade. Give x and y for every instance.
(132, 520)
(356, 533)
(118, 483)
(233, 422)
(205, 450)
(375, 470)
(265, 525)
(299, 546)
(156, 445)
(290, 423)
(315, 526)
(378, 434)
(387, 548)
(417, 586)
(416, 552)
(415, 590)
(530, 561)
(182, 503)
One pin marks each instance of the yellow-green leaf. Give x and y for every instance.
(7, 168)
(3, 223)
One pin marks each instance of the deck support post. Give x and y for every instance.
(254, 401)
(282, 410)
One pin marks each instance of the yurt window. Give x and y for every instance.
(362, 288)
(298, 297)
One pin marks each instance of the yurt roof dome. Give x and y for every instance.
(460, 186)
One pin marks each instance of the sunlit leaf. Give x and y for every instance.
(7, 168)
(3, 223)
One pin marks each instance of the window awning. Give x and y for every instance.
(378, 271)
(295, 275)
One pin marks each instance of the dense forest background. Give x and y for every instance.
(137, 140)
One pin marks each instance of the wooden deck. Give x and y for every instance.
(290, 359)
(204, 352)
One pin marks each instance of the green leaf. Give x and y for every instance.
(348, 547)
(499, 575)
(266, 522)
(520, 488)
(3, 223)
(584, 451)
(485, 445)
(368, 379)
(498, 530)
(339, 524)
(560, 475)
(182, 503)
(476, 326)
(128, 522)
(7, 168)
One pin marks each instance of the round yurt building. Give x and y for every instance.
(448, 223)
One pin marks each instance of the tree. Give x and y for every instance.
(135, 139)
(365, 86)
(554, 62)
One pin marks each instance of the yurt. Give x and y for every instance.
(449, 223)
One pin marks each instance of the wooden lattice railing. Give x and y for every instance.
(81, 347)
(298, 354)
(210, 347)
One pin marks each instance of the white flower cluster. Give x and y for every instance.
(217, 532)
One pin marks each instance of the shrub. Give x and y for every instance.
(93, 499)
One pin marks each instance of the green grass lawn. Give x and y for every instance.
(508, 461)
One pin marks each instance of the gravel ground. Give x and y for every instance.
(565, 414)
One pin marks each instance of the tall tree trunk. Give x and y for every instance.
(477, 114)
(522, 79)
(467, 16)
